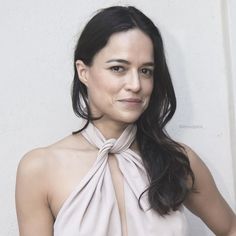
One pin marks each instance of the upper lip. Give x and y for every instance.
(131, 100)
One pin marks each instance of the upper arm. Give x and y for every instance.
(208, 203)
(33, 212)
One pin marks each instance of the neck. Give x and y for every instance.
(110, 129)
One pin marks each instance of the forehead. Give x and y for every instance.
(133, 45)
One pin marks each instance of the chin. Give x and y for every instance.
(128, 119)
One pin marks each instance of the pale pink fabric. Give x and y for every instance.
(91, 209)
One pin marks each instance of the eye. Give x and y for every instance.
(147, 72)
(117, 69)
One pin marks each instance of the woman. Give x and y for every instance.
(120, 174)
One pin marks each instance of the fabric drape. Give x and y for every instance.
(92, 209)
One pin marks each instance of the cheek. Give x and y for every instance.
(101, 86)
(95, 82)
(148, 87)
(104, 87)
(103, 80)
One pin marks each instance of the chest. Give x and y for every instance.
(131, 220)
(70, 172)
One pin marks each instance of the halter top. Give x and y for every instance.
(92, 208)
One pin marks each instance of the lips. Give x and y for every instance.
(131, 100)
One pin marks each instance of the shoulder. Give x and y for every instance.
(41, 161)
(202, 174)
(195, 160)
(204, 184)
(36, 161)
(31, 193)
(33, 162)
(206, 201)
(33, 173)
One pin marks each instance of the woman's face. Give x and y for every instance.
(120, 80)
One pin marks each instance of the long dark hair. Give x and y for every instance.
(165, 161)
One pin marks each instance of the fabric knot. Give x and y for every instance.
(105, 146)
(130, 163)
(108, 146)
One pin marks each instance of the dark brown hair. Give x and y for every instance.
(167, 166)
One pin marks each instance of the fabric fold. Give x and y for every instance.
(92, 209)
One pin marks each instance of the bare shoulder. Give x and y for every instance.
(33, 161)
(203, 177)
(40, 159)
(42, 165)
(207, 202)
(200, 170)
(46, 176)
(196, 163)
(31, 194)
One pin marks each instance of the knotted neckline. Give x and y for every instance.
(129, 162)
(105, 146)
(92, 205)
(95, 192)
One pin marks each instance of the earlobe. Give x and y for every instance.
(82, 71)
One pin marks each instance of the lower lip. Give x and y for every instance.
(131, 104)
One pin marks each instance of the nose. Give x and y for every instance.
(133, 82)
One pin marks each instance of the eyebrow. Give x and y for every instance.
(128, 63)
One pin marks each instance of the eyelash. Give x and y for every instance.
(120, 69)
(114, 69)
(150, 72)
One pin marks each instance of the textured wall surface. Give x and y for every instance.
(36, 45)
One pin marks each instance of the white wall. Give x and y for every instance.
(231, 19)
(36, 45)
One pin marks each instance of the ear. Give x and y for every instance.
(82, 70)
